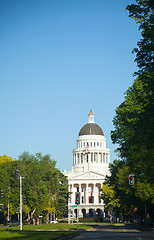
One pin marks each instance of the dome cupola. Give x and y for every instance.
(91, 128)
(91, 117)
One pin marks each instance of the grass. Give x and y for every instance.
(40, 232)
(32, 235)
(58, 226)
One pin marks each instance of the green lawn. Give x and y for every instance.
(58, 226)
(39, 232)
(31, 235)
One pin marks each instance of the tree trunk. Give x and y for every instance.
(47, 218)
(50, 217)
(28, 218)
(37, 221)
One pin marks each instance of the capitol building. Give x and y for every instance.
(91, 161)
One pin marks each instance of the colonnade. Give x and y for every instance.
(86, 212)
(91, 157)
(89, 193)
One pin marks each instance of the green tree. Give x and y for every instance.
(134, 119)
(117, 193)
(42, 185)
(109, 197)
(142, 13)
(144, 191)
(5, 158)
(134, 130)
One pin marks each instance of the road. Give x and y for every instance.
(100, 232)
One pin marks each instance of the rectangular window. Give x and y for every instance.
(91, 144)
(94, 144)
(91, 199)
(97, 144)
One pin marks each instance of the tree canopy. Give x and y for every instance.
(134, 125)
(142, 13)
(44, 186)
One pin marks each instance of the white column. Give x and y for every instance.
(73, 159)
(100, 157)
(73, 194)
(69, 189)
(89, 157)
(80, 213)
(94, 194)
(80, 193)
(79, 157)
(109, 158)
(87, 202)
(100, 192)
(82, 157)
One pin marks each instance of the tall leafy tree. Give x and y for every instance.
(133, 131)
(42, 186)
(116, 192)
(5, 158)
(134, 119)
(142, 13)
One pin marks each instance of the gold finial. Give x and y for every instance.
(90, 112)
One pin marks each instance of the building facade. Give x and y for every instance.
(91, 161)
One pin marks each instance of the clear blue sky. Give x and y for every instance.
(58, 59)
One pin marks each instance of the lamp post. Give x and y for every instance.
(20, 177)
(8, 216)
(21, 201)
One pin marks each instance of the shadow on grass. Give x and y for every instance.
(32, 235)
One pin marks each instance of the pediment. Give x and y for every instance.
(89, 176)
